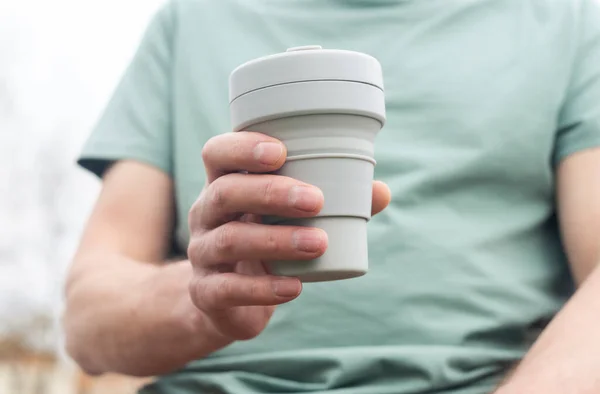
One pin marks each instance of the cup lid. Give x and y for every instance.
(306, 63)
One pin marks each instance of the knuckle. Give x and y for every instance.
(255, 290)
(216, 194)
(272, 242)
(196, 250)
(194, 214)
(269, 191)
(208, 148)
(197, 291)
(225, 240)
(234, 146)
(224, 291)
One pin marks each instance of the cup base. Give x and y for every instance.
(346, 256)
(324, 276)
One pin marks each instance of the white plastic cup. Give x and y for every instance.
(326, 106)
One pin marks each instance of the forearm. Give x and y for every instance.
(566, 357)
(136, 318)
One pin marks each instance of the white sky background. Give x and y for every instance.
(59, 62)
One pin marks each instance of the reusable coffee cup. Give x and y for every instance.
(326, 106)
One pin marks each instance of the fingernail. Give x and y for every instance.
(286, 287)
(305, 198)
(268, 152)
(308, 240)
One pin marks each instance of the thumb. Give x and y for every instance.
(381, 197)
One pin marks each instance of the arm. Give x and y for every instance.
(125, 313)
(566, 357)
(128, 315)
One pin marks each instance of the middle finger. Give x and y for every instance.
(259, 194)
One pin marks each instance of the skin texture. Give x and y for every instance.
(127, 312)
(566, 357)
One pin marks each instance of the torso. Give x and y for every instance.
(466, 262)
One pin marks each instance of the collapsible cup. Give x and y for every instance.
(326, 106)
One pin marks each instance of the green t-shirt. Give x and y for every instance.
(484, 98)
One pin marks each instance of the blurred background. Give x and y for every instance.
(59, 63)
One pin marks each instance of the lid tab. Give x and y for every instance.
(304, 48)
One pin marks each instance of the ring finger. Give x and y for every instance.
(236, 241)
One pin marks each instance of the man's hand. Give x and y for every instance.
(128, 313)
(228, 243)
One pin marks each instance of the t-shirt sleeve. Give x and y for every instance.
(136, 123)
(579, 121)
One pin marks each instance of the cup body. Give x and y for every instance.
(329, 128)
(334, 153)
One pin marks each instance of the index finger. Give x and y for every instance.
(242, 151)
